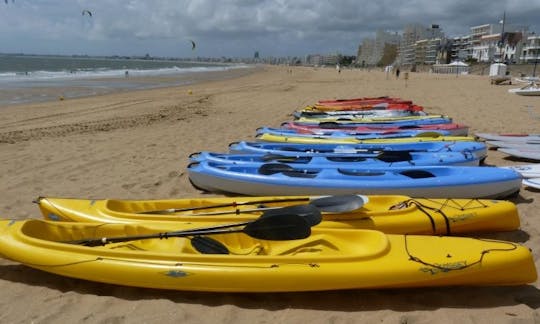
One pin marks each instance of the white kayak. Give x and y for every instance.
(530, 145)
(531, 154)
(532, 182)
(509, 137)
(529, 90)
(526, 170)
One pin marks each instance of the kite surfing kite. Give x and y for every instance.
(87, 12)
(192, 45)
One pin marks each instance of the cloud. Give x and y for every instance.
(237, 27)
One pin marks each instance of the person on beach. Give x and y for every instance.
(338, 68)
(397, 73)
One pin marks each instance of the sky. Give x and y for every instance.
(234, 28)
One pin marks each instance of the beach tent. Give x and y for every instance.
(456, 67)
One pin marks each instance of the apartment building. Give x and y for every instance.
(419, 44)
(371, 50)
(461, 48)
(530, 52)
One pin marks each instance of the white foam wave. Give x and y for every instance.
(107, 73)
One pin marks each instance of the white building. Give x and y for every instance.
(481, 36)
(531, 50)
(488, 44)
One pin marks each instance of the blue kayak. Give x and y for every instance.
(356, 134)
(478, 149)
(382, 159)
(273, 179)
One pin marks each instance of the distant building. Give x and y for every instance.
(488, 44)
(331, 59)
(478, 46)
(319, 60)
(414, 46)
(371, 51)
(426, 51)
(461, 48)
(530, 52)
(365, 52)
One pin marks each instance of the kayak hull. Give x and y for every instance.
(389, 214)
(326, 260)
(428, 182)
(369, 150)
(387, 159)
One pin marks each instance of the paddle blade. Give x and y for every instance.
(207, 245)
(339, 203)
(310, 213)
(279, 227)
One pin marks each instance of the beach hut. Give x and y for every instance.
(456, 67)
(498, 73)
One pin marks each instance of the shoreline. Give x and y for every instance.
(35, 91)
(135, 145)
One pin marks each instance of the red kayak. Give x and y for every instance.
(371, 101)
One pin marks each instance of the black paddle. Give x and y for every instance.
(235, 204)
(208, 245)
(278, 225)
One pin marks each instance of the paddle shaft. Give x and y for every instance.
(233, 204)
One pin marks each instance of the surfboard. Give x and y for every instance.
(526, 170)
(532, 182)
(509, 137)
(529, 145)
(531, 154)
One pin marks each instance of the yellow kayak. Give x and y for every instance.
(430, 137)
(389, 214)
(327, 259)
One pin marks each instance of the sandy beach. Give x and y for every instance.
(135, 145)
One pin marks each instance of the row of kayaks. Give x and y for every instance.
(303, 158)
(333, 238)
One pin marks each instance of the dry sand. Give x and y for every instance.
(135, 145)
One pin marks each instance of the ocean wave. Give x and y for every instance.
(107, 73)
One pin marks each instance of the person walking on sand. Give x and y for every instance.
(397, 73)
(338, 68)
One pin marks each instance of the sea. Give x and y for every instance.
(33, 78)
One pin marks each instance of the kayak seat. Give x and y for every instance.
(329, 125)
(395, 156)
